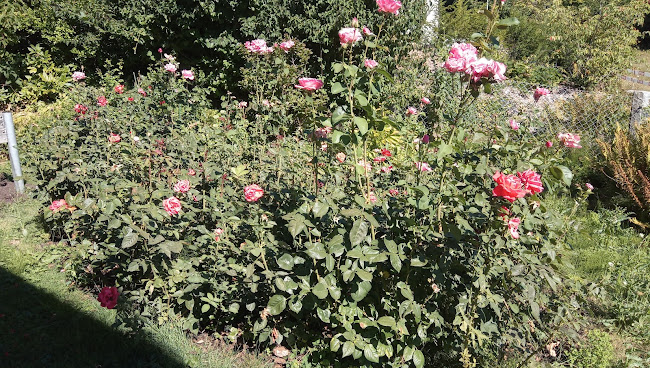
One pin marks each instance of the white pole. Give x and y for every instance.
(13, 152)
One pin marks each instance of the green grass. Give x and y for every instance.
(45, 322)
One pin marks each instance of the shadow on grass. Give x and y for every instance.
(39, 330)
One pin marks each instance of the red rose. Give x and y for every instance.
(508, 187)
(108, 297)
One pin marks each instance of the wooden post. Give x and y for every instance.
(639, 113)
(8, 135)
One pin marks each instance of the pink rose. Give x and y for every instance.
(102, 101)
(366, 31)
(108, 297)
(187, 74)
(309, 84)
(411, 111)
(258, 47)
(142, 92)
(253, 193)
(217, 234)
(114, 138)
(349, 36)
(370, 64)
(242, 105)
(513, 227)
(355, 22)
(172, 205)
(372, 197)
(380, 159)
(549, 144)
(393, 192)
(80, 109)
(57, 205)
(169, 57)
(589, 186)
(323, 146)
(539, 92)
(509, 187)
(513, 124)
(367, 165)
(119, 89)
(479, 69)
(569, 140)
(455, 65)
(386, 169)
(160, 50)
(131, 99)
(170, 68)
(191, 172)
(497, 70)
(340, 157)
(461, 56)
(425, 100)
(77, 76)
(182, 186)
(531, 180)
(389, 6)
(287, 45)
(423, 166)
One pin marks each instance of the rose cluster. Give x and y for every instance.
(463, 58)
(513, 186)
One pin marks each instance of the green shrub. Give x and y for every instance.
(391, 265)
(597, 353)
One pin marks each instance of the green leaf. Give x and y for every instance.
(285, 262)
(337, 88)
(396, 262)
(205, 308)
(323, 314)
(371, 353)
(363, 100)
(296, 225)
(170, 247)
(358, 232)
(386, 321)
(320, 209)
(337, 67)
(444, 150)
(320, 290)
(418, 358)
(133, 266)
(363, 288)
(562, 173)
(534, 310)
(385, 74)
(277, 304)
(364, 275)
(507, 22)
(129, 240)
(362, 124)
(348, 348)
(335, 344)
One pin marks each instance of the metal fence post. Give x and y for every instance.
(639, 113)
(13, 152)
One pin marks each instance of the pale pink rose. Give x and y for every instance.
(287, 45)
(217, 234)
(380, 159)
(191, 172)
(142, 92)
(372, 197)
(119, 89)
(539, 92)
(389, 6)
(169, 57)
(386, 169)
(77, 76)
(322, 132)
(370, 64)
(513, 227)
(531, 181)
(479, 69)
(349, 36)
(323, 146)
(455, 65)
(393, 192)
(549, 144)
(242, 104)
(309, 84)
(366, 31)
(465, 51)
(172, 205)
(266, 103)
(340, 157)
(411, 111)
(423, 166)
(182, 186)
(114, 138)
(57, 205)
(102, 101)
(187, 74)
(569, 140)
(514, 124)
(253, 193)
(355, 22)
(589, 186)
(170, 68)
(425, 100)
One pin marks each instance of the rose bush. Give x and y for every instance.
(309, 235)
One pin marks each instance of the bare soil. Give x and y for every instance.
(7, 189)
